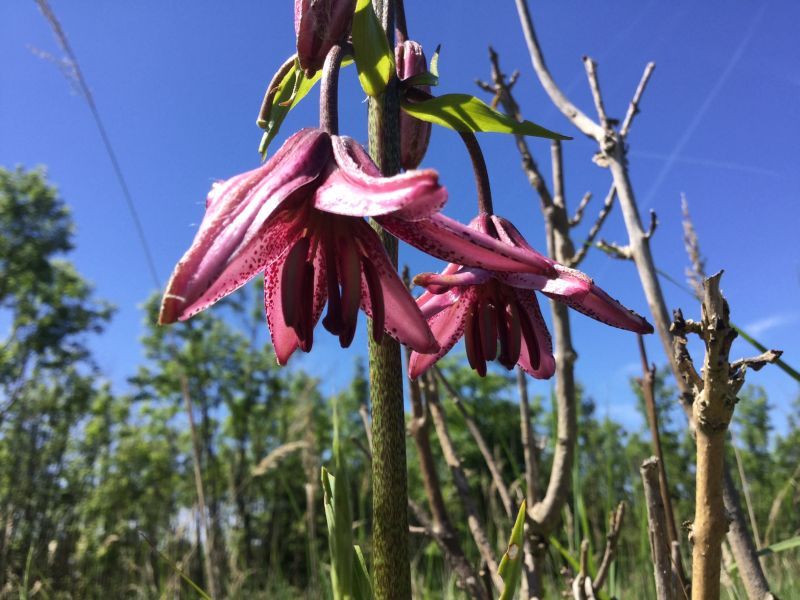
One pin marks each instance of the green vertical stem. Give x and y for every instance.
(391, 576)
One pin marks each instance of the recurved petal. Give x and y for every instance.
(402, 317)
(357, 188)
(231, 246)
(445, 238)
(547, 363)
(438, 283)
(511, 235)
(579, 292)
(432, 304)
(447, 327)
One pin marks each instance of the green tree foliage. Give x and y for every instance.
(98, 496)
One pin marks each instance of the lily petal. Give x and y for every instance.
(358, 189)
(438, 283)
(445, 238)
(284, 338)
(402, 317)
(230, 247)
(433, 304)
(447, 327)
(547, 363)
(511, 235)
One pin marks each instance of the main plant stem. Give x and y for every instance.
(391, 576)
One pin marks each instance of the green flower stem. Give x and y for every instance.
(391, 576)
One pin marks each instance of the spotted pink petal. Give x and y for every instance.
(358, 189)
(547, 363)
(432, 304)
(449, 240)
(447, 327)
(230, 248)
(511, 235)
(284, 338)
(579, 292)
(402, 317)
(449, 269)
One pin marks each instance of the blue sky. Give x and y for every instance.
(179, 85)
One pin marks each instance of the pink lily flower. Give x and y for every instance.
(489, 306)
(299, 219)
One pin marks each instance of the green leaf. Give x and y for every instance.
(362, 589)
(463, 112)
(176, 568)
(292, 89)
(510, 566)
(374, 57)
(576, 566)
(793, 542)
(338, 517)
(780, 546)
(434, 65)
(426, 78)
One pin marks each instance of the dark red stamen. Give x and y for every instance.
(511, 318)
(473, 342)
(487, 319)
(305, 326)
(350, 277)
(333, 318)
(292, 282)
(529, 335)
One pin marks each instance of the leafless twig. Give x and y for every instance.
(714, 398)
(612, 536)
(459, 479)
(659, 542)
(483, 447)
(633, 107)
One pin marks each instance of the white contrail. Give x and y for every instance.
(647, 202)
(705, 162)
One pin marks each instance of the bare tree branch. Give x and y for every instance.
(659, 543)
(653, 224)
(460, 479)
(483, 447)
(647, 383)
(612, 536)
(608, 204)
(572, 112)
(713, 404)
(615, 250)
(501, 90)
(578, 216)
(594, 86)
(633, 107)
(466, 575)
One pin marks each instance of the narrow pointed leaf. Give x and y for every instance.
(292, 89)
(362, 589)
(426, 78)
(463, 112)
(374, 57)
(573, 562)
(434, 66)
(510, 566)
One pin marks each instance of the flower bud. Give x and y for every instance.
(319, 24)
(414, 134)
